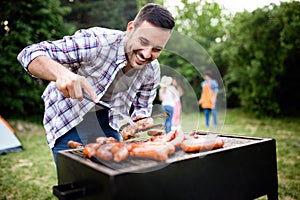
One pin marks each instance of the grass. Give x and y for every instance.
(30, 174)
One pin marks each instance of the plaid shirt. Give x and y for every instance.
(97, 54)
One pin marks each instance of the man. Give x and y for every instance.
(116, 68)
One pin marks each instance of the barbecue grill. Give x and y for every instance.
(245, 168)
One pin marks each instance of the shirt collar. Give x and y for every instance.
(121, 58)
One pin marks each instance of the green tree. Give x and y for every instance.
(202, 22)
(111, 14)
(262, 51)
(189, 50)
(24, 23)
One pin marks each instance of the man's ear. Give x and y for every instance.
(130, 26)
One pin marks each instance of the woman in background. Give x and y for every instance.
(177, 107)
(167, 94)
(209, 97)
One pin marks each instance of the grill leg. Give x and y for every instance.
(273, 196)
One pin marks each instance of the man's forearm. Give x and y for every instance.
(45, 68)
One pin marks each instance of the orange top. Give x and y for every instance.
(207, 97)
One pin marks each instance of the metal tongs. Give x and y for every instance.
(129, 131)
(163, 115)
(128, 121)
(100, 103)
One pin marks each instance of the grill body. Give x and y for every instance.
(241, 171)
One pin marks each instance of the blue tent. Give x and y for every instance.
(8, 140)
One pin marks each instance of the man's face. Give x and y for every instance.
(144, 43)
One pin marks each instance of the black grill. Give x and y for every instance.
(245, 168)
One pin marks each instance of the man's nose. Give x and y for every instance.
(147, 53)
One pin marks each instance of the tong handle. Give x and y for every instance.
(163, 115)
(100, 103)
(158, 126)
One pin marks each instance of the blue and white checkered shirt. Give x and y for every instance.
(97, 54)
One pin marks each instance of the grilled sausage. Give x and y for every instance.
(104, 153)
(74, 145)
(179, 137)
(121, 154)
(200, 144)
(155, 132)
(167, 137)
(151, 153)
(90, 149)
(129, 132)
(153, 150)
(112, 151)
(104, 140)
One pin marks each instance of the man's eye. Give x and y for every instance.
(144, 43)
(156, 49)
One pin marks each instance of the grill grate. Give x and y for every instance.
(141, 164)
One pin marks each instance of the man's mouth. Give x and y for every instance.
(140, 58)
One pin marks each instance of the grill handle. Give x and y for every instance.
(69, 191)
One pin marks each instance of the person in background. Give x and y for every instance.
(118, 69)
(208, 98)
(167, 94)
(177, 107)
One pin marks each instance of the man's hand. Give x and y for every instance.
(70, 84)
(73, 86)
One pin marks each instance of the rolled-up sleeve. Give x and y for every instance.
(29, 53)
(77, 48)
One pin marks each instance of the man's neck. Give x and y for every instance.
(127, 68)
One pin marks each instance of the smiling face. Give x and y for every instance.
(144, 43)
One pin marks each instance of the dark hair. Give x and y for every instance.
(156, 15)
(207, 73)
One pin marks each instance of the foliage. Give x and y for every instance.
(188, 52)
(113, 14)
(24, 23)
(200, 22)
(27, 22)
(256, 52)
(261, 50)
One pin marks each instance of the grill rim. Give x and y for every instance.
(97, 165)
